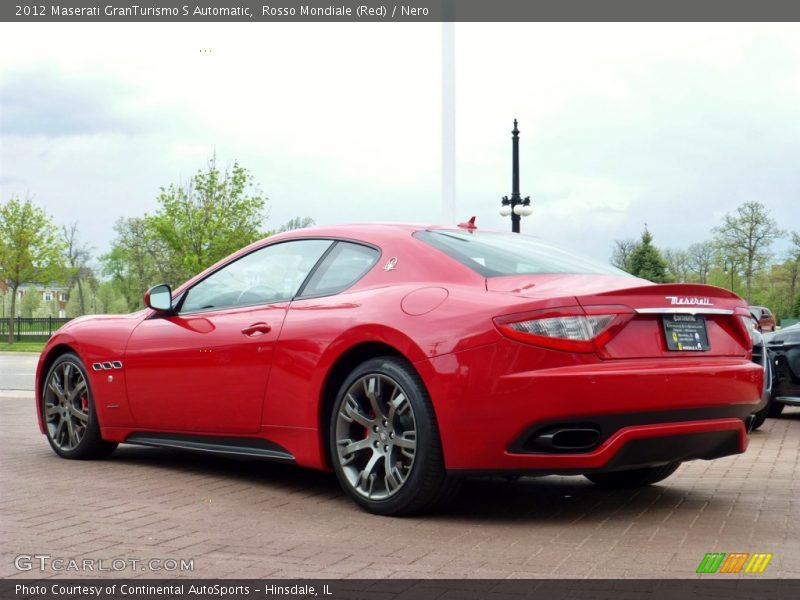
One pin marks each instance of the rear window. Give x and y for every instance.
(494, 254)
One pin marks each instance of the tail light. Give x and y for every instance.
(749, 330)
(571, 329)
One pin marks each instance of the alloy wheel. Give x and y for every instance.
(66, 406)
(376, 436)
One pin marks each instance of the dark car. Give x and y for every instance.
(784, 348)
(764, 316)
(763, 357)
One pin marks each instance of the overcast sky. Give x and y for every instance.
(669, 124)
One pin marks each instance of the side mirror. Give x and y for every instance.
(159, 298)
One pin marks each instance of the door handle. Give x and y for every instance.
(257, 329)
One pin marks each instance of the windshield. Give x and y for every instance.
(494, 254)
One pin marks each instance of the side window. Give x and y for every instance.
(267, 275)
(346, 264)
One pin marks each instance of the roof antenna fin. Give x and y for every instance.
(469, 225)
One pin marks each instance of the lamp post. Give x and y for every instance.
(516, 206)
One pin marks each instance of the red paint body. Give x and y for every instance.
(199, 374)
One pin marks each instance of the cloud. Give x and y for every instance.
(669, 125)
(622, 124)
(45, 101)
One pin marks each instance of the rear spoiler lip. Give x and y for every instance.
(676, 289)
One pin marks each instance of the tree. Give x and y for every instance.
(79, 302)
(292, 224)
(677, 264)
(213, 215)
(745, 238)
(700, 260)
(646, 261)
(77, 258)
(729, 263)
(5, 311)
(30, 303)
(195, 226)
(30, 250)
(793, 272)
(108, 299)
(138, 260)
(46, 309)
(621, 254)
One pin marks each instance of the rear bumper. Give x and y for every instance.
(633, 447)
(647, 411)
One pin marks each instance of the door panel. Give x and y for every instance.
(203, 372)
(205, 367)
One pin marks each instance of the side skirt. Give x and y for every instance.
(232, 447)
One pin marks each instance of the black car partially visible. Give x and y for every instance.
(763, 357)
(784, 349)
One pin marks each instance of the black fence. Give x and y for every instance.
(37, 329)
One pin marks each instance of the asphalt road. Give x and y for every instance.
(17, 370)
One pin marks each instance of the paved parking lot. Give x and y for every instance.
(251, 519)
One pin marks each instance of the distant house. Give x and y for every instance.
(49, 293)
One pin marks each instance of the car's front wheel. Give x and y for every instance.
(634, 477)
(68, 411)
(384, 440)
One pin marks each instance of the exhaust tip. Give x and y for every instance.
(567, 439)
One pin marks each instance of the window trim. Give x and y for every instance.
(176, 309)
(299, 295)
(185, 293)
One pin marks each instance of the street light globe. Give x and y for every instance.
(518, 209)
(527, 211)
(505, 210)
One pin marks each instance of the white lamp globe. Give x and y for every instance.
(518, 209)
(505, 210)
(527, 211)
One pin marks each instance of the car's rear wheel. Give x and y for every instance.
(633, 477)
(384, 440)
(68, 411)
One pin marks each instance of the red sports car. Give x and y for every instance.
(405, 357)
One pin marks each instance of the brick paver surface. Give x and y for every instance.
(255, 519)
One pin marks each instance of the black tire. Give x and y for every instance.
(383, 405)
(634, 477)
(775, 409)
(68, 412)
(760, 417)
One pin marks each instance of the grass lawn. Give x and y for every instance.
(21, 346)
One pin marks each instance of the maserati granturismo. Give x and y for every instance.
(405, 358)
